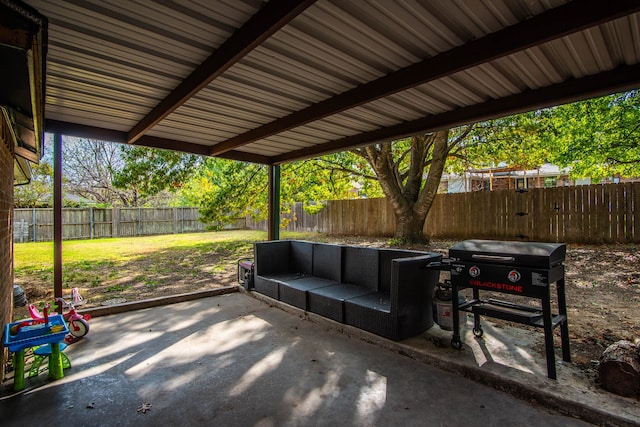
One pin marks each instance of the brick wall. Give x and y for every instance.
(6, 234)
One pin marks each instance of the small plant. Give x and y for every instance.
(68, 278)
(218, 269)
(117, 288)
(86, 265)
(46, 277)
(397, 241)
(95, 282)
(150, 283)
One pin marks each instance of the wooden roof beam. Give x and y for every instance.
(552, 24)
(617, 80)
(270, 18)
(102, 134)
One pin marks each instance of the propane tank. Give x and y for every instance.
(442, 307)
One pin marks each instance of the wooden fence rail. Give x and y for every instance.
(598, 213)
(36, 225)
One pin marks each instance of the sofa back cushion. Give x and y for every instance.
(386, 258)
(327, 261)
(283, 256)
(301, 256)
(360, 267)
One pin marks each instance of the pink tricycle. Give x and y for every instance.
(78, 326)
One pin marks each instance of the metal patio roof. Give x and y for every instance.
(276, 81)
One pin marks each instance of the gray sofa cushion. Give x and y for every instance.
(328, 301)
(294, 292)
(371, 312)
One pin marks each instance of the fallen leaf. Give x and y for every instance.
(144, 408)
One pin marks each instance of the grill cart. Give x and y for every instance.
(526, 269)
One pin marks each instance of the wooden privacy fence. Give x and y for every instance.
(581, 214)
(36, 225)
(606, 213)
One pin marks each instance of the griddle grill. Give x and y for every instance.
(526, 269)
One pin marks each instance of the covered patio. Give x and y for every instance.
(273, 82)
(236, 360)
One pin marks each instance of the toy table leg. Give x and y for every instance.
(18, 370)
(55, 362)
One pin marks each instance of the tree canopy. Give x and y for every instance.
(37, 193)
(225, 190)
(596, 138)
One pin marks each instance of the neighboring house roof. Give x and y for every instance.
(546, 170)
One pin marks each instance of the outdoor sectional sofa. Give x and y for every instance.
(384, 291)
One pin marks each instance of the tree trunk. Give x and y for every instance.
(619, 368)
(409, 228)
(409, 196)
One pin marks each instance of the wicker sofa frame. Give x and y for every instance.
(384, 291)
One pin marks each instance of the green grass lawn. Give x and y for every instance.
(137, 268)
(39, 255)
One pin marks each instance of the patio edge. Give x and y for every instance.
(155, 302)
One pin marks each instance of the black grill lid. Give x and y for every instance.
(523, 254)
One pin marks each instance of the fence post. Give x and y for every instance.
(35, 229)
(139, 221)
(174, 216)
(91, 222)
(115, 222)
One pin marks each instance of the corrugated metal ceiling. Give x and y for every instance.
(111, 62)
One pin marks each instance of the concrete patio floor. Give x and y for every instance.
(237, 360)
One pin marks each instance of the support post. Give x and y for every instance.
(57, 216)
(273, 227)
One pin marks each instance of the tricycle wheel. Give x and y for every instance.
(78, 327)
(456, 343)
(478, 332)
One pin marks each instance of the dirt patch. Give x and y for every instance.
(602, 287)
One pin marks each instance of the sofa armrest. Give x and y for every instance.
(411, 291)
